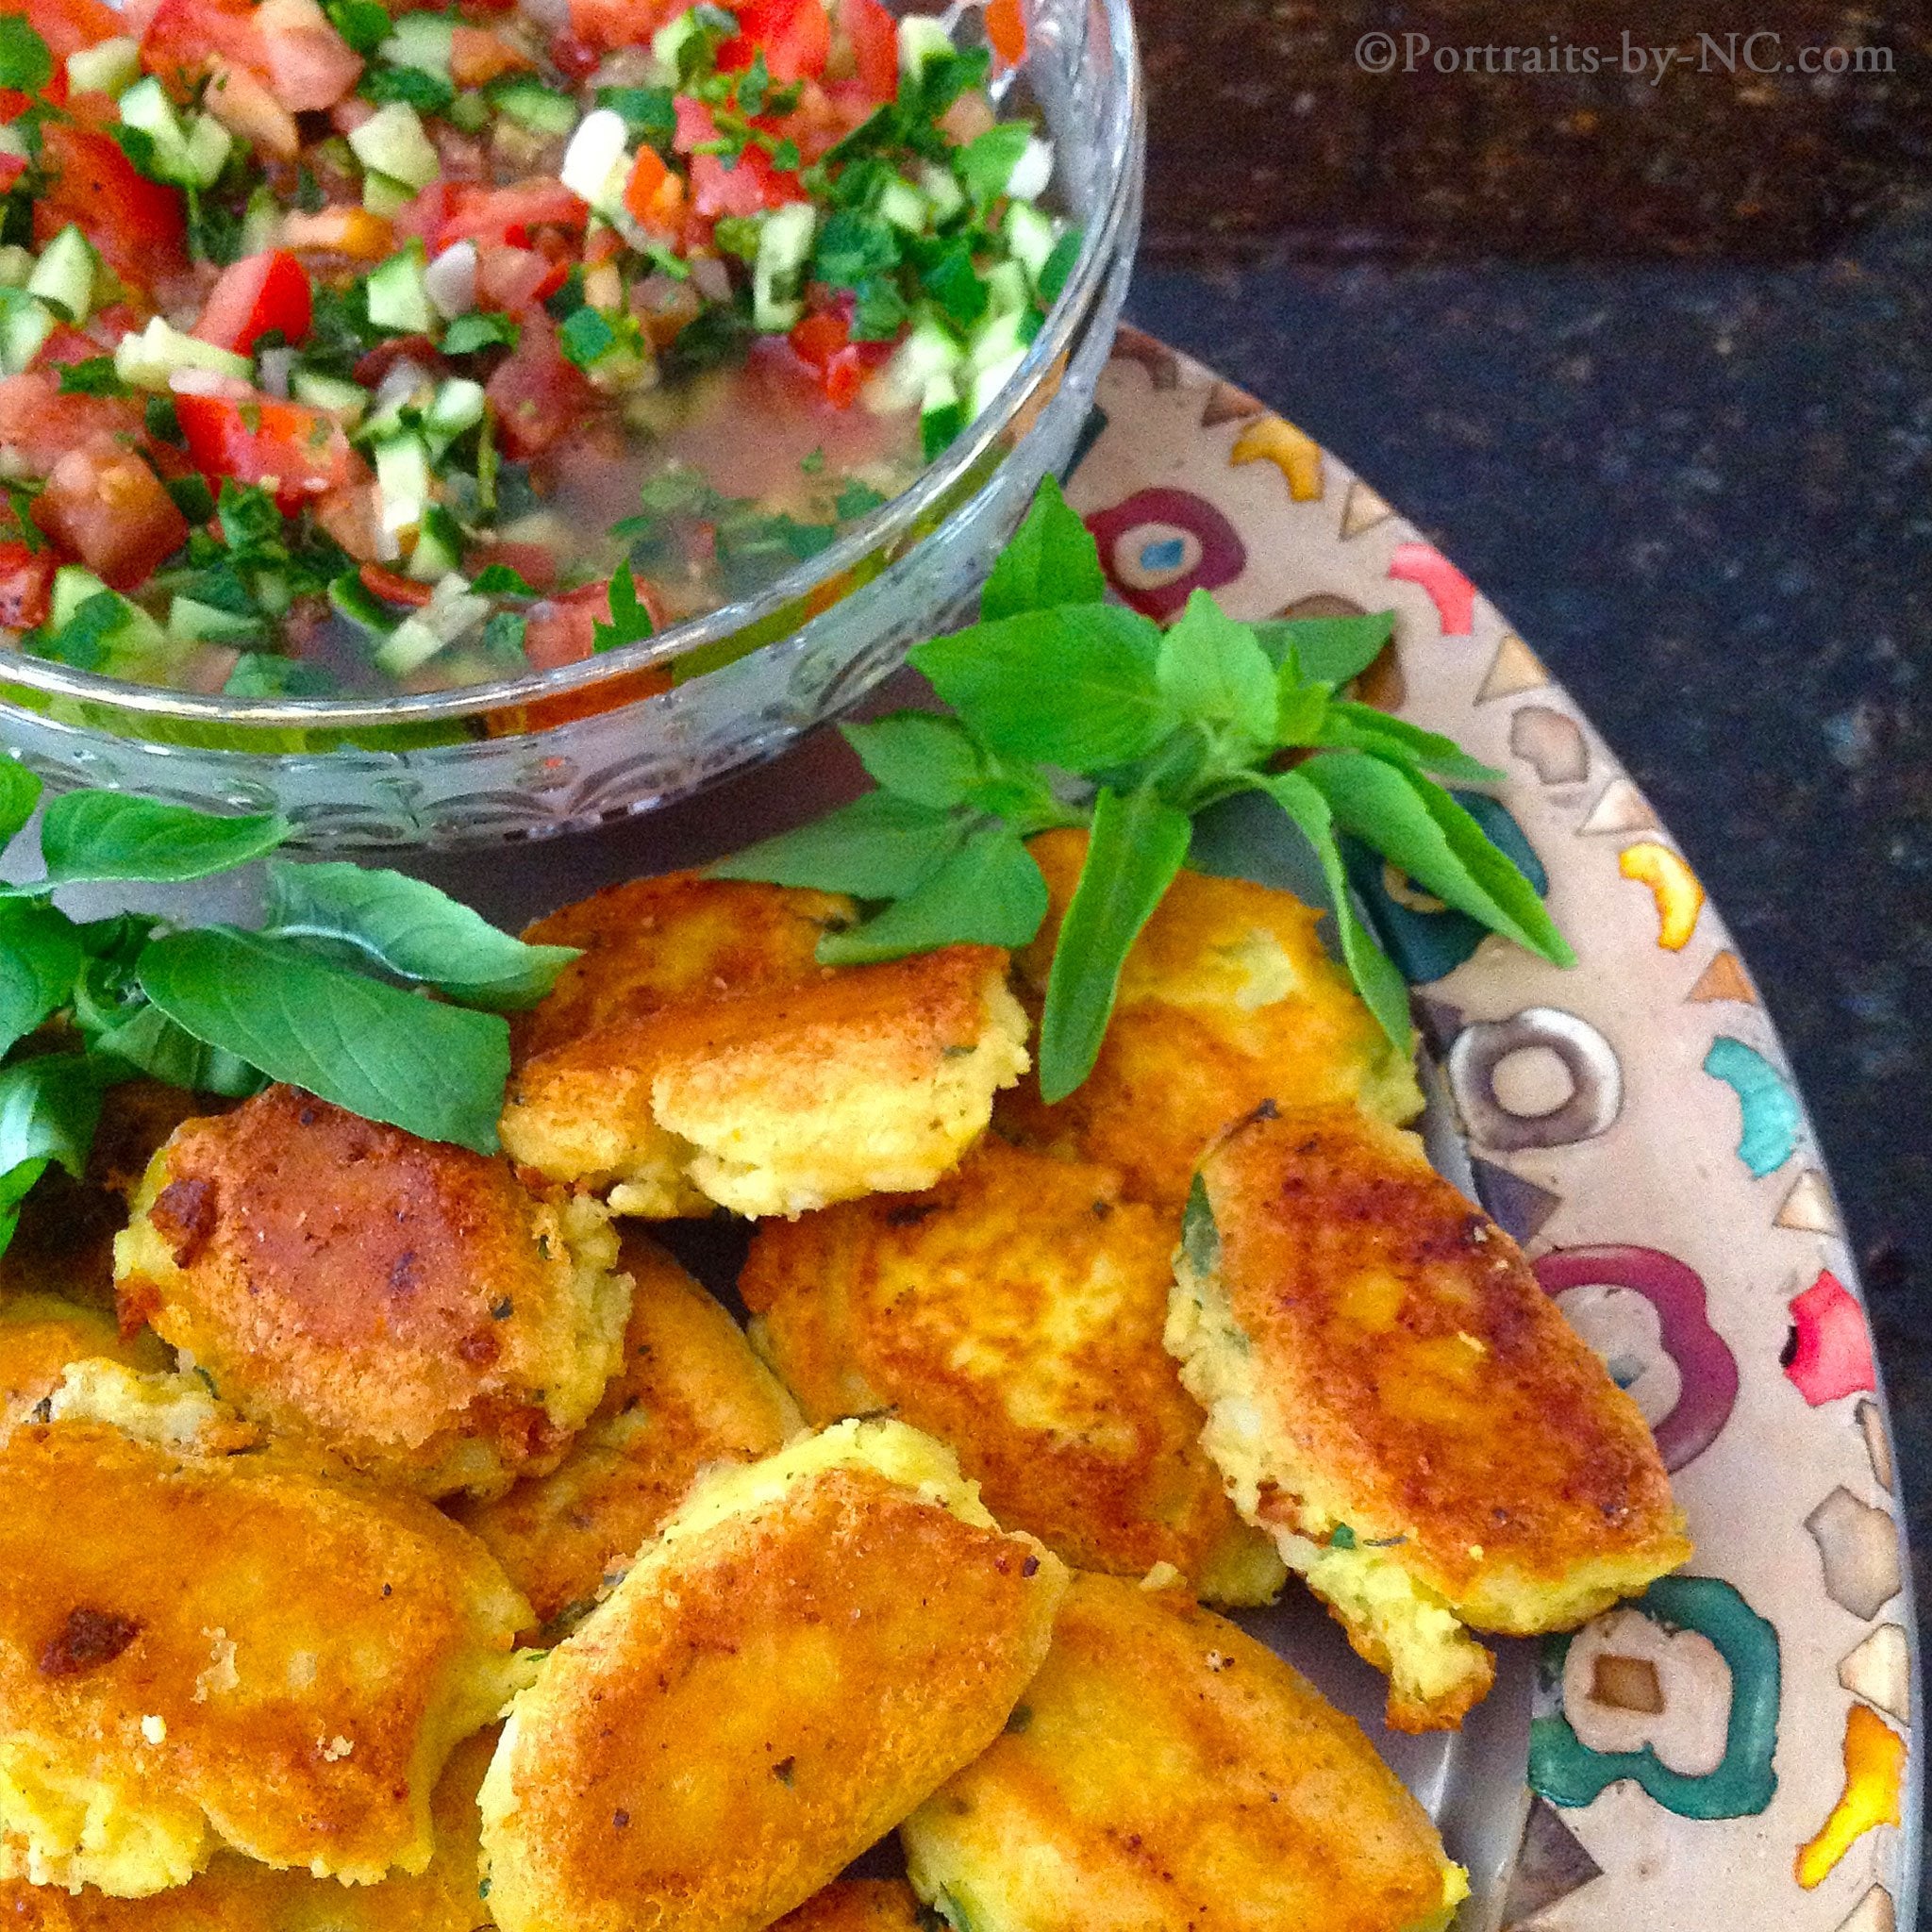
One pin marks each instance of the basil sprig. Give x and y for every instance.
(1068, 710)
(328, 995)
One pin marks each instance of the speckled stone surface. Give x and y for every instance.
(1703, 494)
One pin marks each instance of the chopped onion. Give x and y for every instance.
(208, 382)
(272, 369)
(451, 280)
(594, 151)
(1031, 172)
(400, 384)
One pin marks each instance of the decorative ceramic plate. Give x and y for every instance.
(1738, 1747)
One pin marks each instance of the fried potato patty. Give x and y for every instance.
(41, 1334)
(690, 1394)
(1167, 1770)
(405, 1305)
(1394, 1396)
(236, 1895)
(1015, 1311)
(698, 1054)
(1227, 999)
(813, 1643)
(210, 1651)
(856, 1904)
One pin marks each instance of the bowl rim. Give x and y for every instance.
(1121, 140)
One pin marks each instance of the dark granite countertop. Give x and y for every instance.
(1702, 492)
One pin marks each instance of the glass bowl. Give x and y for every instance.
(563, 750)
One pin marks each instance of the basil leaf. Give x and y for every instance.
(1361, 728)
(1074, 686)
(1213, 671)
(919, 755)
(1414, 821)
(878, 847)
(49, 1109)
(480, 329)
(40, 961)
(986, 163)
(152, 1043)
(1328, 649)
(1376, 979)
(20, 791)
(1136, 848)
(434, 1070)
(1053, 560)
(631, 623)
(990, 892)
(114, 835)
(412, 930)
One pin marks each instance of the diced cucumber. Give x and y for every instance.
(996, 339)
(136, 633)
(189, 154)
(383, 196)
(921, 39)
(335, 393)
(1008, 288)
(926, 355)
(191, 621)
(262, 220)
(401, 481)
(419, 40)
(398, 299)
(438, 547)
(353, 599)
(531, 103)
(1030, 236)
(148, 359)
(146, 106)
(209, 144)
(110, 67)
(13, 141)
(72, 587)
(595, 164)
(469, 113)
(1032, 171)
(458, 406)
(943, 194)
(784, 245)
(668, 42)
(942, 416)
(64, 276)
(904, 205)
(16, 264)
(24, 324)
(452, 611)
(988, 380)
(391, 141)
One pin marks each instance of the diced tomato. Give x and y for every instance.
(694, 123)
(27, 578)
(140, 226)
(477, 57)
(67, 26)
(536, 394)
(562, 630)
(604, 26)
(104, 504)
(795, 37)
(515, 279)
(875, 38)
(309, 64)
(246, 105)
(653, 194)
(256, 294)
(181, 36)
(296, 452)
(39, 426)
(67, 345)
(576, 55)
(535, 564)
(750, 185)
(822, 343)
(12, 167)
(350, 515)
(393, 588)
(508, 214)
(1005, 30)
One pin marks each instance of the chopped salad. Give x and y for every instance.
(345, 350)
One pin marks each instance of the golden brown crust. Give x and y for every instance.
(1227, 999)
(404, 1304)
(1015, 1311)
(706, 1058)
(41, 1335)
(652, 944)
(855, 1905)
(230, 1649)
(1171, 1772)
(1413, 1359)
(759, 1703)
(236, 1895)
(690, 1394)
